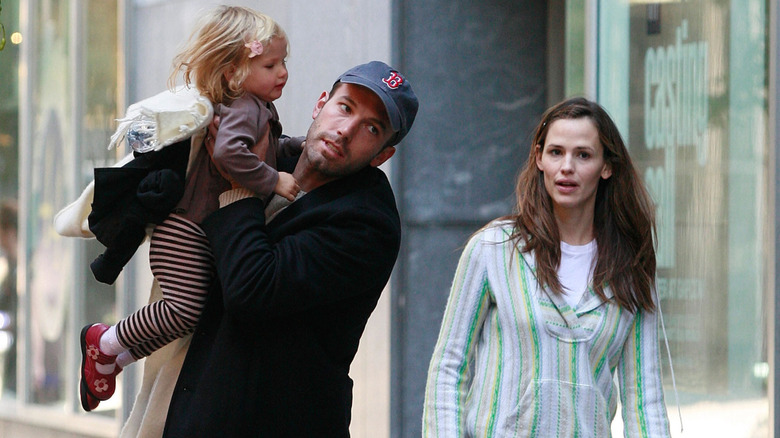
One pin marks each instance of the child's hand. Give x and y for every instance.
(287, 186)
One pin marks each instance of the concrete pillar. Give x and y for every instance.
(479, 69)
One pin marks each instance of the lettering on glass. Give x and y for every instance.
(676, 116)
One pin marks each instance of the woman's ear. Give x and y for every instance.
(538, 152)
(606, 171)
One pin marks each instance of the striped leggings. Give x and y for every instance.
(182, 262)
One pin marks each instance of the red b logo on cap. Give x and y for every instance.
(394, 81)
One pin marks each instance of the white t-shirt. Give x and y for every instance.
(576, 270)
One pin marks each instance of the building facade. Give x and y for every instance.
(692, 86)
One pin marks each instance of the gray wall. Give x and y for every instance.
(479, 69)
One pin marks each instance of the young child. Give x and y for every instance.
(236, 58)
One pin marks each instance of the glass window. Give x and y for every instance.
(687, 84)
(100, 102)
(48, 259)
(73, 85)
(9, 187)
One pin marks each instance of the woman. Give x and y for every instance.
(548, 303)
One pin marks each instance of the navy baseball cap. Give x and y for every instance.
(394, 90)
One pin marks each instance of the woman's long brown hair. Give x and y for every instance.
(624, 218)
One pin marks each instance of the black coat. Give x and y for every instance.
(127, 199)
(272, 352)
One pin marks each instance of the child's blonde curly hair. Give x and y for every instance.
(218, 45)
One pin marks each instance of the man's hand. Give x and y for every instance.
(287, 187)
(211, 135)
(209, 142)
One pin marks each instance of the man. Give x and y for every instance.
(272, 352)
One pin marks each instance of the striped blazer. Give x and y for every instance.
(514, 360)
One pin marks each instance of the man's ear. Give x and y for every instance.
(320, 103)
(382, 156)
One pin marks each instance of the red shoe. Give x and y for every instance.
(94, 384)
(88, 402)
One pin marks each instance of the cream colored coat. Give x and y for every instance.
(161, 370)
(178, 115)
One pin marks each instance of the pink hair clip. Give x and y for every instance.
(255, 48)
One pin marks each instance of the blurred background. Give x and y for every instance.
(692, 86)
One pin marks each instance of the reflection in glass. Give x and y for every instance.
(9, 301)
(9, 188)
(49, 259)
(97, 125)
(697, 114)
(57, 268)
